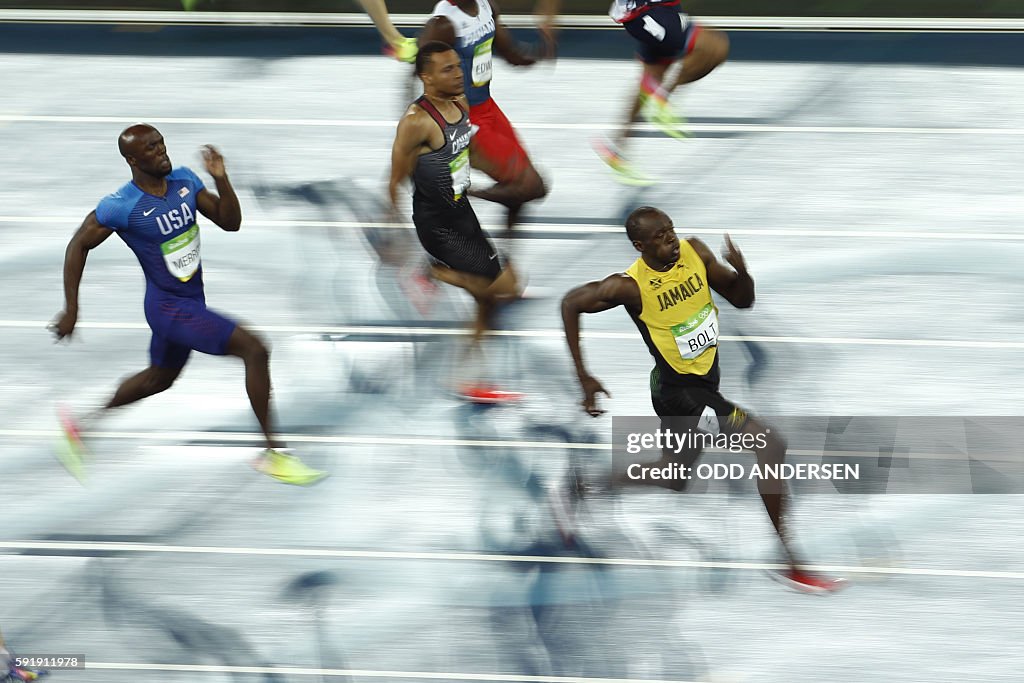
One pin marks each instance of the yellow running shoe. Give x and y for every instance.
(287, 468)
(405, 51)
(658, 111)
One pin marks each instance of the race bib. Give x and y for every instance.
(482, 63)
(698, 334)
(181, 254)
(459, 168)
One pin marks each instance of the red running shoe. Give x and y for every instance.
(801, 581)
(485, 394)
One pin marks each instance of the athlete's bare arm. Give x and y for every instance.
(735, 284)
(414, 137)
(378, 12)
(548, 10)
(222, 208)
(89, 235)
(505, 44)
(613, 291)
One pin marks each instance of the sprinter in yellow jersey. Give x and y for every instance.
(667, 293)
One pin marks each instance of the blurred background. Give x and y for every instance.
(798, 8)
(868, 175)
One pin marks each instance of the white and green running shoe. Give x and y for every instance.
(287, 468)
(71, 452)
(624, 171)
(658, 111)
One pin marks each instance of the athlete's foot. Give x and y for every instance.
(19, 674)
(287, 468)
(404, 51)
(804, 582)
(421, 289)
(71, 451)
(624, 170)
(658, 111)
(482, 393)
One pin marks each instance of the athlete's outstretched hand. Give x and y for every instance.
(591, 388)
(64, 325)
(734, 256)
(214, 161)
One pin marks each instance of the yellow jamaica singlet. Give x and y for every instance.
(678, 319)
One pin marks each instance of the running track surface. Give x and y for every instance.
(879, 212)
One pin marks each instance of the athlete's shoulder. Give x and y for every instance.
(444, 8)
(703, 251)
(622, 288)
(114, 209)
(416, 117)
(187, 175)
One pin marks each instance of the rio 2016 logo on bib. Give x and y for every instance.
(181, 254)
(459, 168)
(698, 334)
(482, 63)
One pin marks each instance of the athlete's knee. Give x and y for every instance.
(772, 445)
(714, 46)
(248, 347)
(533, 186)
(525, 185)
(160, 379)
(505, 287)
(258, 353)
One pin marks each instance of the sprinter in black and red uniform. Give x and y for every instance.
(432, 148)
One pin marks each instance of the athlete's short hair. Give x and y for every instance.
(634, 224)
(432, 48)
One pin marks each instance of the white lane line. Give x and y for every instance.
(488, 557)
(253, 437)
(367, 673)
(375, 440)
(593, 228)
(370, 123)
(556, 334)
(600, 21)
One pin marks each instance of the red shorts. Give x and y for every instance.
(496, 142)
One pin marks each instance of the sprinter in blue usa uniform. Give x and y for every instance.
(156, 214)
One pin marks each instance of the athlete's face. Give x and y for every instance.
(444, 74)
(149, 154)
(658, 242)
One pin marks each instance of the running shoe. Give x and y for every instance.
(404, 51)
(624, 171)
(71, 451)
(808, 583)
(287, 468)
(421, 290)
(488, 394)
(658, 111)
(19, 674)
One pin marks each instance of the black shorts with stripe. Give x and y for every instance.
(664, 34)
(693, 396)
(454, 238)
